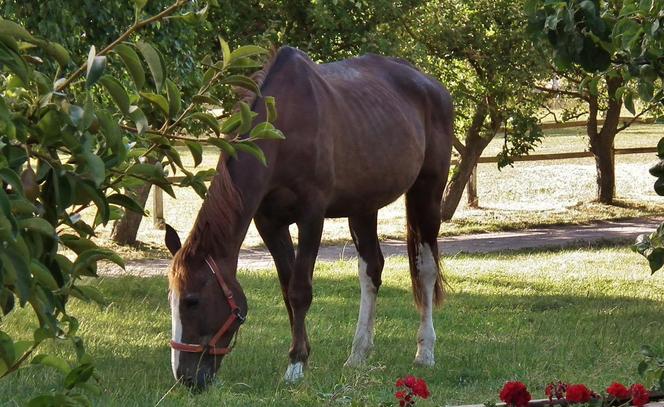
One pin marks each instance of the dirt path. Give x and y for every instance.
(553, 237)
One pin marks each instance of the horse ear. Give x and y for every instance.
(172, 240)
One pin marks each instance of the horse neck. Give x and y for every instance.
(232, 201)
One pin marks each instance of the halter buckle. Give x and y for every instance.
(239, 316)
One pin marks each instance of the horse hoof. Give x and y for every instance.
(294, 372)
(424, 360)
(355, 360)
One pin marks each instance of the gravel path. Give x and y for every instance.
(550, 237)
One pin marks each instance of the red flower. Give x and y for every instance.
(410, 381)
(400, 395)
(399, 383)
(578, 393)
(421, 389)
(640, 395)
(618, 390)
(515, 394)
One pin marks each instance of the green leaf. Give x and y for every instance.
(646, 90)
(243, 82)
(52, 361)
(266, 130)
(89, 293)
(93, 193)
(204, 99)
(137, 115)
(12, 60)
(38, 225)
(629, 103)
(157, 100)
(80, 374)
(247, 118)
(12, 29)
(153, 174)
(253, 149)
(7, 352)
(224, 145)
(246, 51)
(208, 120)
(271, 107)
(93, 167)
(133, 63)
(174, 98)
(117, 92)
(58, 52)
(126, 202)
(153, 60)
(90, 257)
(96, 65)
(225, 52)
(231, 124)
(43, 275)
(11, 178)
(196, 152)
(112, 132)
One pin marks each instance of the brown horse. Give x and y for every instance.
(359, 133)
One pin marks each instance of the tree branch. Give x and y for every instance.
(561, 92)
(137, 26)
(637, 117)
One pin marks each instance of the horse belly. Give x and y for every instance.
(366, 182)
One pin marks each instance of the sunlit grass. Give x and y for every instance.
(578, 315)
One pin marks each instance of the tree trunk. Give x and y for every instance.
(126, 228)
(601, 142)
(606, 175)
(469, 155)
(457, 184)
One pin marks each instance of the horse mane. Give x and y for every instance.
(222, 205)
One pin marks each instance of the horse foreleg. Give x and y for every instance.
(300, 294)
(278, 240)
(370, 266)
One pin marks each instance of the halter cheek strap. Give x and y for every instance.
(211, 346)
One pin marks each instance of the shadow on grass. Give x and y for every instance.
(484, 338)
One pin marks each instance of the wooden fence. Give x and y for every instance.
(471, 188)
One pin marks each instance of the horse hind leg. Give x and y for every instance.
(423, 214)
(370, 266)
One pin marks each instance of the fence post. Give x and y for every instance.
(158, 208)
(471, 189)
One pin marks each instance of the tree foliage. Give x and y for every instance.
(610, 54)
(481, 52)
(73, 140)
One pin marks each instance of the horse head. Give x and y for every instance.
(207, 308)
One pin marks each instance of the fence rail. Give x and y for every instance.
(471, 188)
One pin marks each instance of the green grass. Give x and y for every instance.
(576, 315)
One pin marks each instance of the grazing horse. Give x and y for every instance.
(359, 133)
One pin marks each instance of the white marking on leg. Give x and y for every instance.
(363, 340)
(426, 336)
(176, 331)
(294, 372)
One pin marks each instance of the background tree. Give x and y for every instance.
(73, 139)
(481, 52)
(608, 51)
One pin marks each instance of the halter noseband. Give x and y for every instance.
(211, 346)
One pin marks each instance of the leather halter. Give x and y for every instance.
(211, 346)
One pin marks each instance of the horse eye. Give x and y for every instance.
(190, 300)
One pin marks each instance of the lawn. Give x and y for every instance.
(529, 194)
(575, 315)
